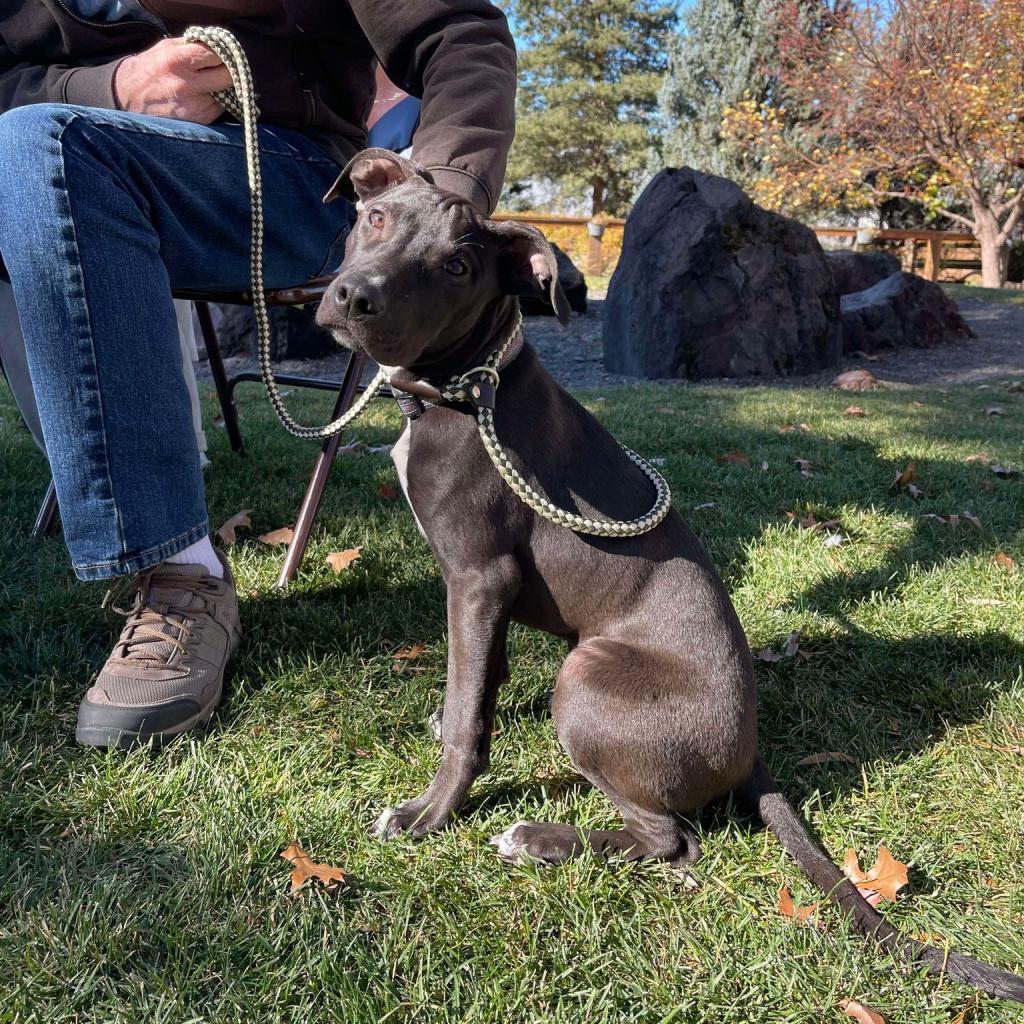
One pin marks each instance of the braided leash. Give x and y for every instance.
(477, 386)
(240, 102)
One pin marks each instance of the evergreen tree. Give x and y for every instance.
(586, 109)
(724, 55)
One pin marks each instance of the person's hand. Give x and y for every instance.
(172, 79)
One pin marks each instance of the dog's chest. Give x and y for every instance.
(400, 457)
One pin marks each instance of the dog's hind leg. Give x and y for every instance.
(648, 835)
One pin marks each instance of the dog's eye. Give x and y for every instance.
(456, 266)
(376, 219)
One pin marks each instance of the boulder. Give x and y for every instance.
(709, 284)
(901, 310)
(573, 283)
(855, 271)
(294, 334)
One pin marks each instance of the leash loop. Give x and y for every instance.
(240, 102)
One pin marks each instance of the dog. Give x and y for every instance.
(656, 702)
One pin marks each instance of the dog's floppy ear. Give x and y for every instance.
(374, 171)
(527, 264)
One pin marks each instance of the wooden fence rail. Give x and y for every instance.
(947, 255)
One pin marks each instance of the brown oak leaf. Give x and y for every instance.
(861, 1013)
(339, 560)
(882, 880)
(854, 410)
(226, 531)
(275, 537)
(305, 869)
(387, 492)
(906, 476)
(409, 653)
(787, 908)
(1003, 560)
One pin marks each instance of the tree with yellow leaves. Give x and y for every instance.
(900, 99)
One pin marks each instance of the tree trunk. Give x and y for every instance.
(994, 253)
(597, 202)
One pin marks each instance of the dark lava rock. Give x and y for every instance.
(901, 310)
(709, 284)
(573, 283)
(855, 271)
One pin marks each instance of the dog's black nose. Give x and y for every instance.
(357, 299)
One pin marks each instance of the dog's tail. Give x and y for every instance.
(778, 814)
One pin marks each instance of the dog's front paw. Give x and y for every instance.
(414, 816)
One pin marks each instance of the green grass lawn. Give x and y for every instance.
(149, 888)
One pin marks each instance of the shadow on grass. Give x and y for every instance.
(866, 695)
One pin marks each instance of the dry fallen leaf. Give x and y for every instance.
(917, 405)
(977, 458)
(226, 531)
(787, 908)
(387, 492)
(825, 756)
(906, 476)
(856, 380)
(792, 646)
(740, 458)
(810, 522)
(306, 869)
(861, 1013)
(855, 410)
(282, 536)
(339, 560)
(414, 651)
(882, 881)
(1003, 560)
(953, 519)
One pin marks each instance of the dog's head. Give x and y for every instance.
(422, 267)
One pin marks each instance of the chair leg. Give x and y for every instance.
(46, 519)
(321, 471)
(220, 380)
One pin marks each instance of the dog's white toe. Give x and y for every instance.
(380, 828)
(511, 846)
(434, 724)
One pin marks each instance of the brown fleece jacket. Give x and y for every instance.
(313, 64)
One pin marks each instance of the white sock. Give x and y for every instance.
(200, 553)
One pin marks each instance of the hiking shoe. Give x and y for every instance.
(166, 672)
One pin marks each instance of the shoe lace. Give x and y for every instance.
(149, 627)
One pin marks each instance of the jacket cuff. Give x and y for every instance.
(92, 86)
(463, 183)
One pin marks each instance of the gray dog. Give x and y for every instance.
(656, 702)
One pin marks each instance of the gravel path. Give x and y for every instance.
(574, 357)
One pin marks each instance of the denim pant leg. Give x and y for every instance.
(102, 214)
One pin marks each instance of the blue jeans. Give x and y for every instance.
(102, 215)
